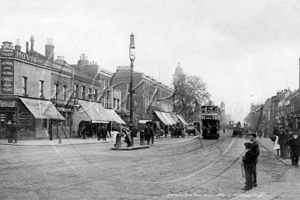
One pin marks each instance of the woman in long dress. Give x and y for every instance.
(276, 145)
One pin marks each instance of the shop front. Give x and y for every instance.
(88, 116)
(32, 116)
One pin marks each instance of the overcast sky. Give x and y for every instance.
(244, 50)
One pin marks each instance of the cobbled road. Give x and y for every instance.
(173, 168)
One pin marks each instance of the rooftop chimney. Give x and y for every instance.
(17, 46)
(7, 44)
(32, 43)
(27, 47)
(49, 50)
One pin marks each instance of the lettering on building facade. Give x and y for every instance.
(7, 76)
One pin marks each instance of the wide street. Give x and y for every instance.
(172, 168)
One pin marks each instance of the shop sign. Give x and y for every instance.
(7, 76)
(7, 103)
(32, 59)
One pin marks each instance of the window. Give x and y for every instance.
(116, 103)
(95, 95)
(41, 89)
(82, 92)
(103, 81)
(107, 100)
(55, 92)
(64, 92)
(24, 86)
(75, 94)
(90, 94)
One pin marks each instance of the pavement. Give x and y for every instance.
(285, 190)
(63, 141)
(74, 141)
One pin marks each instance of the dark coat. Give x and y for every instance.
(148, 131)
(255, 150)
(249, 157)
(295, 145)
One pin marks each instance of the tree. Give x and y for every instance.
(190, 94)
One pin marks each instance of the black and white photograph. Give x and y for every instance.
(149, 99)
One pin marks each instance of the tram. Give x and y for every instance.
(210, 116)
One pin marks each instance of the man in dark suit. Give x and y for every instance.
(255, 153)
(248, 161)
(294, 144)
(148, 133)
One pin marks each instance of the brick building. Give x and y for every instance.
(149, 94)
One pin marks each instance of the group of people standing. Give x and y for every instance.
(88, 130)
(287, 144)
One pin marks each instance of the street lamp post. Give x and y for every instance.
(132, 58)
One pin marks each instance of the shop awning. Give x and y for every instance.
(171, 118)
(162, 118)
(115, 116)
(171, 122)
(182, 120)
(42, 109)
(175, 117)
(95, 112)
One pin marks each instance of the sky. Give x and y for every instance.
(245, 51)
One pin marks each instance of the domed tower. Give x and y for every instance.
(178, 72)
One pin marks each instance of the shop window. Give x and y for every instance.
(82, 92)
(90, 94)
(64, 92)
(44, 124)
(75, 94)
(26, 120)
(55, 92)
(95, 95)
(41, 89)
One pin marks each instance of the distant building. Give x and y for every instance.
(222, 114)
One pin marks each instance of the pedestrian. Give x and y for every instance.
(255, 149)
(282, 141)
(84, 130)
(109, 129)
(50, 130)
(128, 138)
(276, 145)
(166, 131)
(98, 131)
(248, 162)
(149, 133)
(104, 133)
(15, 134)
(294, 144)
(9, 131)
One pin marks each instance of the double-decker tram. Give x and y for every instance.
(210, 116)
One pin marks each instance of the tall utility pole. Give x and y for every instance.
(132, 58)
